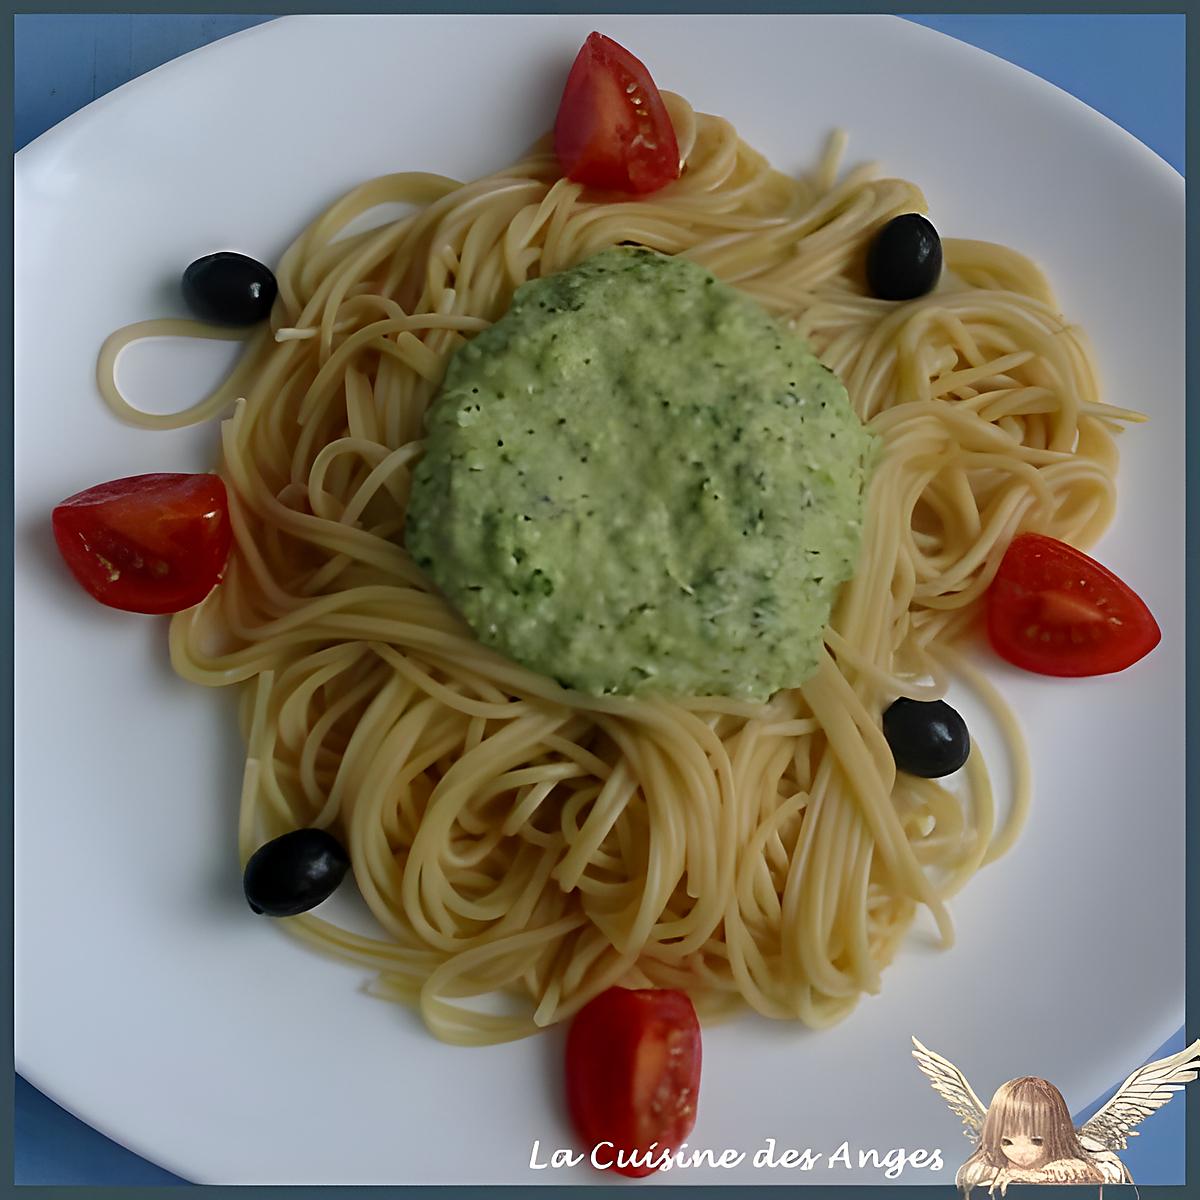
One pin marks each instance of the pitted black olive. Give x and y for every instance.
(905, 258)
(295, 872)
(927, 737)
(229, 288)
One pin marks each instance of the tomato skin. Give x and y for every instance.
(1056, 611)
(148, 543)
(633, 1073)
(613, 130)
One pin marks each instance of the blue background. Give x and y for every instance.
(1129, 67)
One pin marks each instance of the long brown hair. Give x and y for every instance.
(1033, 1107)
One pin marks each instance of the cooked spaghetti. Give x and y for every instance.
(513, 837)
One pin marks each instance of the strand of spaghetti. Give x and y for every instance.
(202, 410)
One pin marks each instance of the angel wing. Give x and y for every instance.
(951, 1084)
(1146, 1090)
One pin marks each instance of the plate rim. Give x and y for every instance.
(290, 20)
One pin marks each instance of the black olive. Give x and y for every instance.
(927, 737)
(905, 258)
(229, 288)
(295, 872)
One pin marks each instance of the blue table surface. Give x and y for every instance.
(1129, 67)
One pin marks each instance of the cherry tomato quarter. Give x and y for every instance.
(1054, 610)
(633, 1074)
(613, 130)
(149, 543)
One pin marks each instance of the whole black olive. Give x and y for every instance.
(927, 737)
(295, 872)
(229, 288)
(905, 258)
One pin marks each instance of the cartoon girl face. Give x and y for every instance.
(1023, 1149)
(1028, 1125)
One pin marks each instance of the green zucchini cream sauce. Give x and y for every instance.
(637, 480)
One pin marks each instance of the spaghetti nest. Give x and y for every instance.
(513, 837)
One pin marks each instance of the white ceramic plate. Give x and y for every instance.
(150, 1002)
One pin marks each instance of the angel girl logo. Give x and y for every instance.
(1026, 1135)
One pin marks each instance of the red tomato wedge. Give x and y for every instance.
(149, 543)
(1053, 610)
(633, 1076)
(612, 130)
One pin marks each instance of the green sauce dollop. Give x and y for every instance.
(638, 480)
